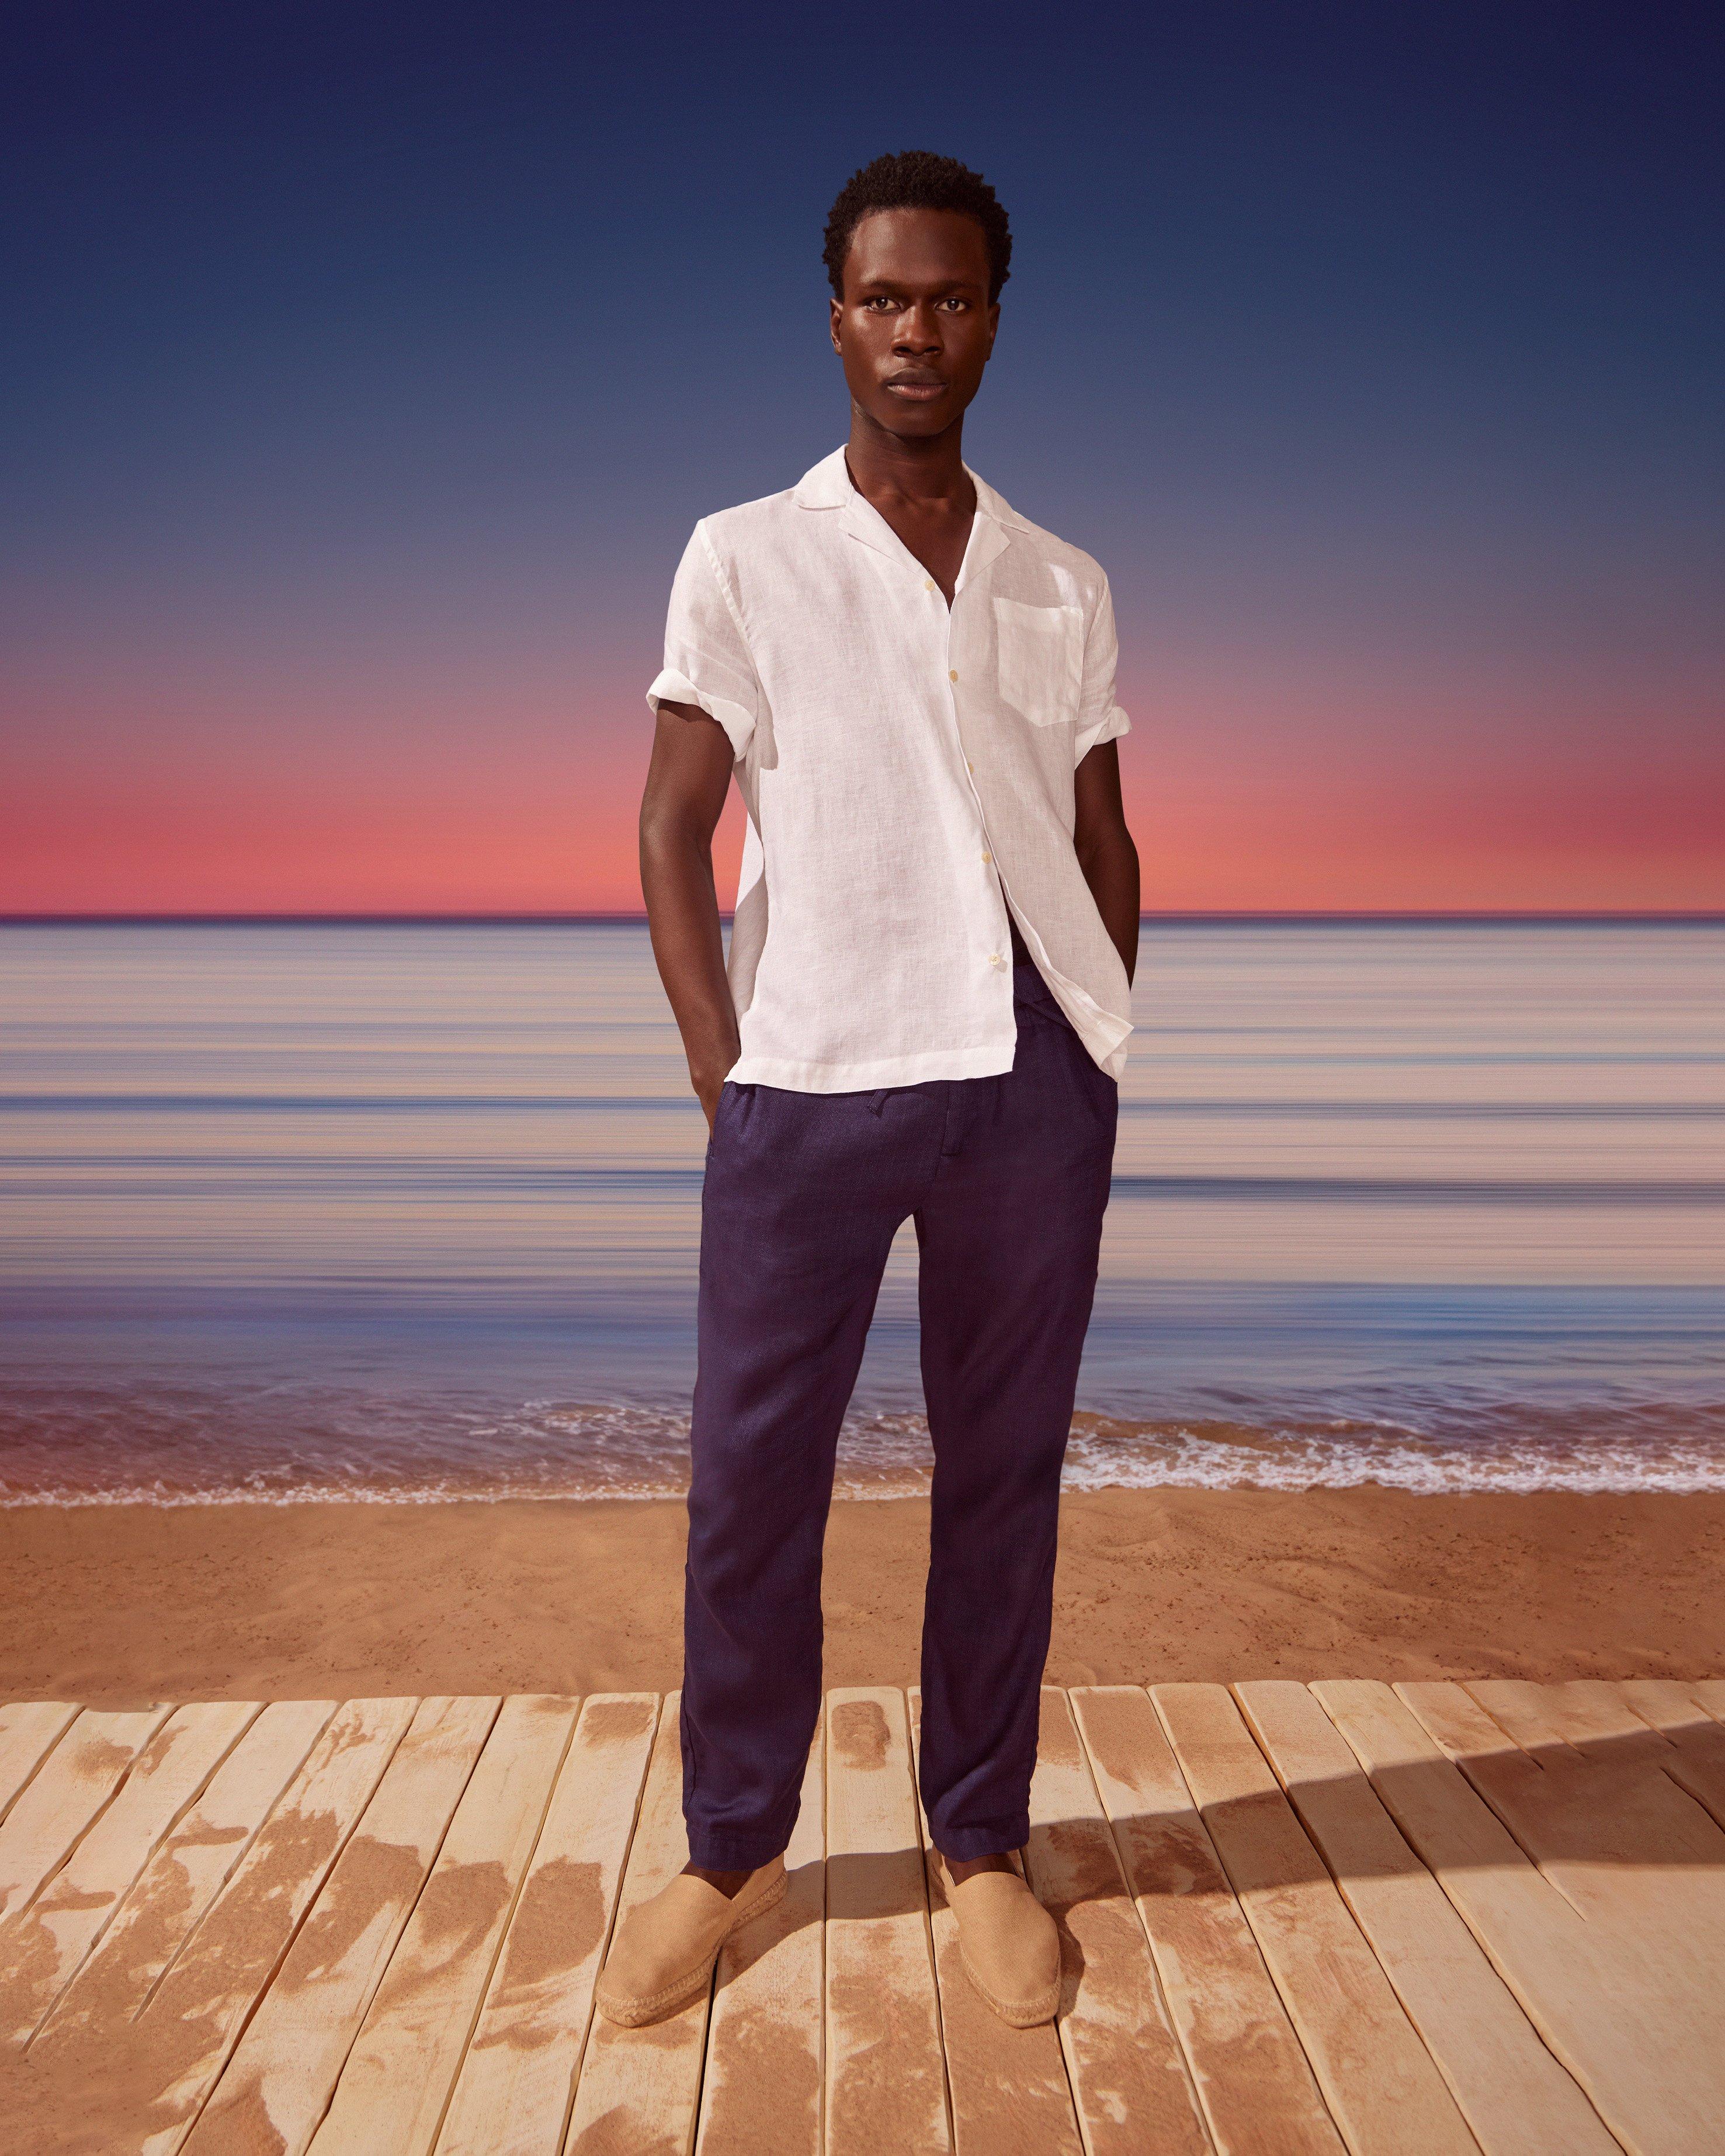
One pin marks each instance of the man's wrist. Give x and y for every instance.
(709, 1073)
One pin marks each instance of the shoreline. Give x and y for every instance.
(117, 1603)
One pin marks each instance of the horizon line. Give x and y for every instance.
(637, 918)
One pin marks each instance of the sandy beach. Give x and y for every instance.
(117, 1604)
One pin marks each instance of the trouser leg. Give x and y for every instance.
(1010, 1234)
(803, 1194)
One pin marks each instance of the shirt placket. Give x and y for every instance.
(999, 961)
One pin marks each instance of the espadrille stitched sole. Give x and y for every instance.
(637, 2013)
(1020, 2014)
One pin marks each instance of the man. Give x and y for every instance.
(924, 1017)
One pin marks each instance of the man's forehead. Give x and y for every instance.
(917, 246)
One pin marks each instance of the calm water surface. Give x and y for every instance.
(403, 1211)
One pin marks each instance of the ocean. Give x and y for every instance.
(399, 1212)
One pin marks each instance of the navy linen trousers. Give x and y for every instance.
(1007, 1179)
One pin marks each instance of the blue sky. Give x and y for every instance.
(367, 367)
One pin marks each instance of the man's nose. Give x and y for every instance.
(918, 330)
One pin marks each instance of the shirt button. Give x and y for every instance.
(995, 958)
(968, 765)
(952, 676)
(988, 861)
(928, 583)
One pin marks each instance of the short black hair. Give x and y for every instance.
(918, 179)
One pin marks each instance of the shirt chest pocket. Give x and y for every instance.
(1041, 661)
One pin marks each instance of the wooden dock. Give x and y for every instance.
(1342, 1917)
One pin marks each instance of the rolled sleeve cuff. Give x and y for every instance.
(1110, 727)
(738, 721)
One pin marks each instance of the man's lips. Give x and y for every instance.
(919, 387)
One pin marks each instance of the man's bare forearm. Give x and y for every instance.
(1106, 853)
(689, 949)
(1112, 871)
(679, 809)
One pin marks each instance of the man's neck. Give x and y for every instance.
(886, 467)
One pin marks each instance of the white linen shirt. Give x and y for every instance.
(908, 774)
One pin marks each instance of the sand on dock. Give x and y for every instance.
(112, 1604)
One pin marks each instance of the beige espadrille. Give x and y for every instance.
(1009, 1945)
(664, 1949)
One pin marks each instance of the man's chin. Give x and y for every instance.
(918, 423)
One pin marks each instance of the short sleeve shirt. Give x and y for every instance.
(908, 772)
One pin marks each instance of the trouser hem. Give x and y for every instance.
(734, 1852)
(964, 1844)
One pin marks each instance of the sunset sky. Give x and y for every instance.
(367, 366)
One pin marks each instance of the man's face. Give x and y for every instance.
(915, 327)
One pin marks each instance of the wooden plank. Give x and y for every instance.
(1383, 2090)
(1589, 1719)
(139, 2083)
(1514, 2095)
(761, 2089)
(886, 2075)
(74, 1783)
(638, 2089)
(1636, 2048)
(1522, 1712)
(1251, 2075)
(1461, 1728)
(515, 2085)
(42, 1947)
(1696, 1758)
(189, 1869)
(1512, 1781)
(223, 1969)
(278, 2084)
(393, 2091)
(1669, 1706)
(1622, 1842)
(29, 1730)
(1009, 2090)
(1603, 1723)
(1130, 2087)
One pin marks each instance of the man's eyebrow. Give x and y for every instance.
(887, 283)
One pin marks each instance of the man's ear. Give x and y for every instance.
(835, 315)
